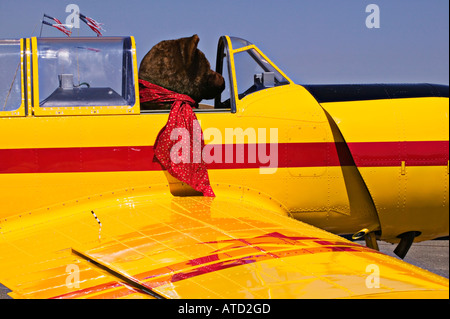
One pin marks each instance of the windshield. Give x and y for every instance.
(10, 75)
(245, 69)
(254, 73)
(238, 43)
(85, 72)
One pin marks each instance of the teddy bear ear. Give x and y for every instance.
(190, 48)
(195, 39)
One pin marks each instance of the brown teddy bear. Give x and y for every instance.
(179, 66)
(176, 75)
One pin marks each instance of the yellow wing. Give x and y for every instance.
(136, 245)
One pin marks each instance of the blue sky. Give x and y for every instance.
(313, 41)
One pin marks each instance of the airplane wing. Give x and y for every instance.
(132, 244)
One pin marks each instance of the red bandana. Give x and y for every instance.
(181, 157)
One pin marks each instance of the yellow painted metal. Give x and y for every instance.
(193, 247)
(392, 120)
(28, 75)
(35, 72)
(300, 119)
(418, 195)
(420, 201)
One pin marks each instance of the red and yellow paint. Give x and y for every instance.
(194, 248)
(380, 165)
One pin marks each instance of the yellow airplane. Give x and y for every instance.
(86, 213)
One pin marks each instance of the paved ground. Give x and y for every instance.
(3, 292)
(429, 255)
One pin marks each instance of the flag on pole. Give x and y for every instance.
(58, 25)
(94, 25)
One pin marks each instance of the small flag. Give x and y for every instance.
(94, 25)
(58, 25)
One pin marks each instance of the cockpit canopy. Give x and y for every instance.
(84, 76)
(247, 69)
(85, 72)
(10, 75)
(250, 61)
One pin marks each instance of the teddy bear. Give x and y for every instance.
(176, 75)
(179, 66)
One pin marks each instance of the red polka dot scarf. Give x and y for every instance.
(179, 144)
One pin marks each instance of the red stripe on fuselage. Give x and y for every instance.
(432, 153)
(140, 158)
